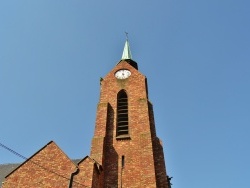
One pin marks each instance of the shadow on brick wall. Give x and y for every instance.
(110, 155)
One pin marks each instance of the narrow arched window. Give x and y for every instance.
(122, 114)
(123, 161)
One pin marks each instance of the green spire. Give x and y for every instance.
(126, 51)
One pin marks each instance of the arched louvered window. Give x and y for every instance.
(122, 114)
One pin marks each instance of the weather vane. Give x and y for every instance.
(126, 35)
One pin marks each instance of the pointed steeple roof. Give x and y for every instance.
(126, 51)
(126, 55)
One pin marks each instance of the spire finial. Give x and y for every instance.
(126, 33)
(126, 51)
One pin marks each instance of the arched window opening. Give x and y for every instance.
(122, 114)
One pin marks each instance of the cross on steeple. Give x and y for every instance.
(126, 35)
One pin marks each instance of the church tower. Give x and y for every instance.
(125, 141)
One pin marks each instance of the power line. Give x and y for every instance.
(12, 151)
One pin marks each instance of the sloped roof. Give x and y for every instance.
(5, 169)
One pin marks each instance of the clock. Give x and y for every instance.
(122, 74)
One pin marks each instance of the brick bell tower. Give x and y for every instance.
(125, 141)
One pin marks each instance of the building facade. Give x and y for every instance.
(125, 150)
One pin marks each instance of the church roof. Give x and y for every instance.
(5, 169)
(126, 51)
(127, 55)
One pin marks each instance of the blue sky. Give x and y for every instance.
(195, 55)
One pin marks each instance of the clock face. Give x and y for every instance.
(122, 74)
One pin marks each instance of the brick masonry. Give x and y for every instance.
(142, 153)
(49, 167)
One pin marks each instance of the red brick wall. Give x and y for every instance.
(160, 169)
(88, 174)
(144, 161)
(49, 167)
(100, 132)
